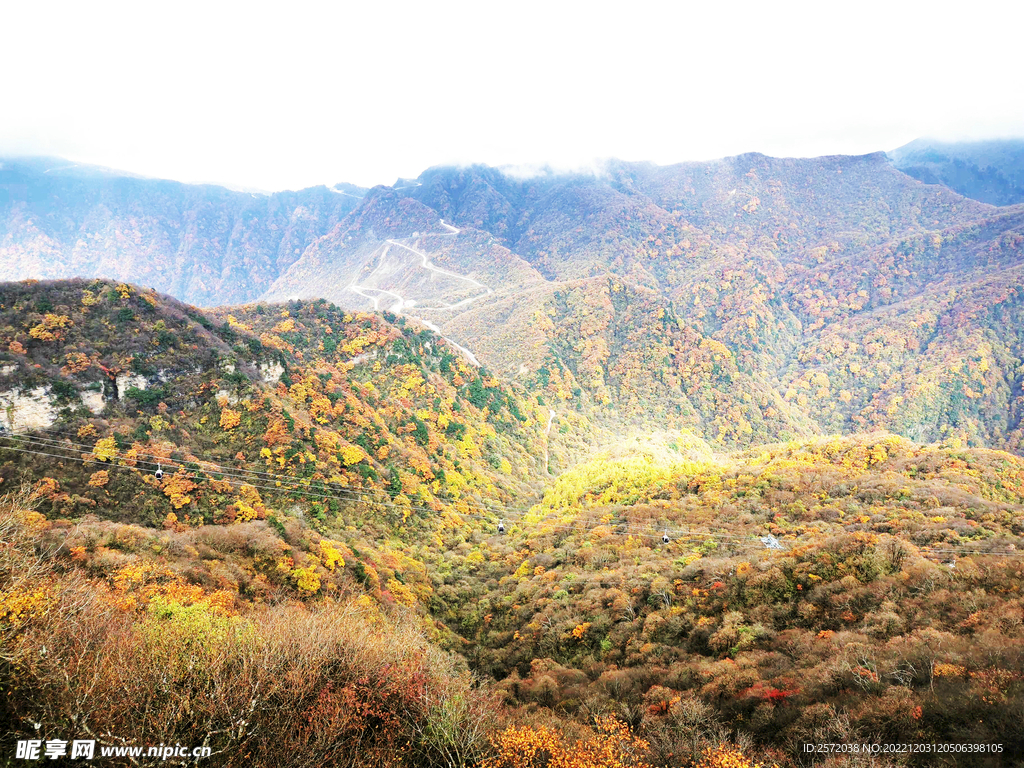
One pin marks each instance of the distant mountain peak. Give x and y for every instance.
(990, 170)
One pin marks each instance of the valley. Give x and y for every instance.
(695, 464)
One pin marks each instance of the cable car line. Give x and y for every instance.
(347, 494)
(293, 486)
(624, 529)
(283, 482)
(238, 473)
(301, 487)
(228, 471)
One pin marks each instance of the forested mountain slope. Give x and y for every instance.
(892, 610)
(747, 299)
(760, 276)
(328, 497)
(305, 417)
(192, 501)
(203, 244)
(990, 171)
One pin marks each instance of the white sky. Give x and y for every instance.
(293, 94)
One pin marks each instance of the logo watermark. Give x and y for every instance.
(86, 749)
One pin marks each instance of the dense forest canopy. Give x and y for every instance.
(746, 299)
(661, 466)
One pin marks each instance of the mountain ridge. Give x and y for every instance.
(834, 293)
(991, 171)
(204, 244)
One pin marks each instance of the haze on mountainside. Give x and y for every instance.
(989, 171)
(835, 294)
(367, 93)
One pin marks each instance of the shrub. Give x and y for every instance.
(609, 745)
(145, 397)
(279, 685)
(229, 419)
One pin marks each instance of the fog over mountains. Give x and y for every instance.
(836, 293)
(990, 171)
(204, 244)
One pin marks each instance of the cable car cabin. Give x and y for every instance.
(159, 472)
(501, 526)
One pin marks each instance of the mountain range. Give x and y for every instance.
(205, 244)
(681, 466)
(990, 171)
(747, 299)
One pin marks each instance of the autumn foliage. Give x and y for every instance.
(271, 686)
(323, 532)
(609, 745)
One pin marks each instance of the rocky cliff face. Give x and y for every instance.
(26, 410)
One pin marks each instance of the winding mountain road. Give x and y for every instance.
(367, 292)
(376, 299)
(469, 355)
(427, 264)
